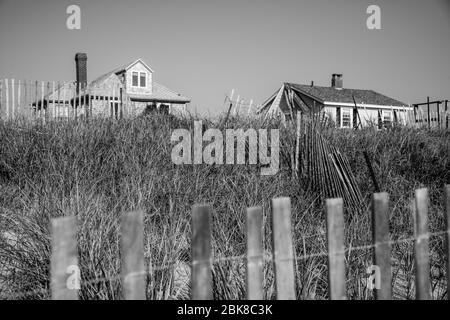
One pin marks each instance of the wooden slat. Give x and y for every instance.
(255, 260)
(64, 262)
(133, 266)
(36, 99)
(89, 102)
(422, 262)
(83, 100)
(77, 97)
(336, 249)
(53, 111)
(108, 98)
(201, 253)
(64, 101)
(13, 99)
(380, 236)
(1, 98)
(48, 109)
(25, 98)
(447, 236)
(124, 107)
(283, 251)
(42, 110)
(297, 144)
(58, 108)
(7, 99)
(18, 97)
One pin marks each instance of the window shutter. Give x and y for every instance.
(338, 117)
(380, 120)
(355, 118)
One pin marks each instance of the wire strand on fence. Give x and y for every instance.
(267, 256)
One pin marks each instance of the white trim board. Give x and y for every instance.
(370, 106)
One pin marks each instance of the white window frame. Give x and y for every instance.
(349, 110)
(139, 79)
(384, 113)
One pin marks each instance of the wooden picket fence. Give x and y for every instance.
(430, 114)
(64, 253)
(55, 100)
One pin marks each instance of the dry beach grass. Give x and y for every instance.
(100, 169)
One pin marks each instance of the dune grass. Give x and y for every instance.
(100, 169)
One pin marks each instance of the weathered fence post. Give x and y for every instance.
(133, 266)
(438, 114)
(53, 111)
(447, 116)
(43, 112)
(65, 274)
(36, 96)
(18, 97)
(201, 253)
(447, 236)
(1, 97)
(255, 260)
(421, 246)
(58, 108)
(6, 100)
(13, 99)
(283, 250)
(336, 249)
(380, 236)
(297, 144)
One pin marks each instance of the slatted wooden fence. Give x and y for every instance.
(430, 118)
(133, 275)
(50, 100)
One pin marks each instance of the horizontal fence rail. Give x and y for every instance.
(65, 275)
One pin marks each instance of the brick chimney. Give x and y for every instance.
(81, 68)
(337, 81)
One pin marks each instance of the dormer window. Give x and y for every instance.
(135, 82)
(139, 79)
(143, 81)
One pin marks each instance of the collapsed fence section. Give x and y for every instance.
(133, 276)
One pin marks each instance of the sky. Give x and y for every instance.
(204, 49)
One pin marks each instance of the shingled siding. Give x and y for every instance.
(139, 67)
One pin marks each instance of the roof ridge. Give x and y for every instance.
(330, 94)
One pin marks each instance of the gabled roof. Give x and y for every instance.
(138, 60)
(292, 96)
(103, 78)
(160, 92)
(329, 94)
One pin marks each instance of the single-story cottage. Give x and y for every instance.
(335, 102)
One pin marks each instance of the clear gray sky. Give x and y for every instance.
(203, 49)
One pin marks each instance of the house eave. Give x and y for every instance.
(364, 105)
(180, 101)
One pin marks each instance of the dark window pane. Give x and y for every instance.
(143, 79)
(135, 79)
